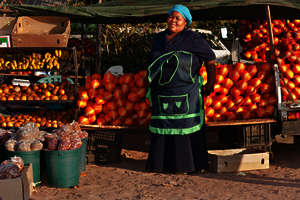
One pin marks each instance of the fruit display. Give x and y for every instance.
(112, 100)
(241, 91)
(256, 47)
(295, 115)
(33, 61)
(26, 138)
(67, 137)
(39, 92)
(42, 118)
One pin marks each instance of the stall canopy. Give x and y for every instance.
(120, 11)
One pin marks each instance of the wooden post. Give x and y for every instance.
(98, 59)
(270, 28)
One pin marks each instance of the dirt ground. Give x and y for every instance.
(128, 180)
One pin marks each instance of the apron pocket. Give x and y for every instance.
(173, 105)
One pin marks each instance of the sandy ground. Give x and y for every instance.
(128, 180)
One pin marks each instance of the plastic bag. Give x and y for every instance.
(10, 144)
(23, 145)
(36, 145)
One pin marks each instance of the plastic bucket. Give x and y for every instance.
(62, 168)
(30, 157)
(83, 155)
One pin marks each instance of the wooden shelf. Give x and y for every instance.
(107, 127)
(241, 122)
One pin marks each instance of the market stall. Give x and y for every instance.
(101, 109)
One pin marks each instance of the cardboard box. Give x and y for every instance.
(236, 160)
(20, 188)
(41, 31)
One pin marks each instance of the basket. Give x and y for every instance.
(52, 79)
(41, 31)
(105, 145)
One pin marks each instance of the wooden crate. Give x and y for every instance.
(41, 31)
(236, 160)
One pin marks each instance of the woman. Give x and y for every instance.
(178, 141)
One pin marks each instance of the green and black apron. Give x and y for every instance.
(175, 95)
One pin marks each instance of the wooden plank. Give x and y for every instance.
(107, 127)
(221, 161)
(242, 122)
(291, 127)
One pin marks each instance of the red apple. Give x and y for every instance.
(251, 90)
(208, 101)
(235, 92)
(117, 93)
(289, 74)
(223, 110)
(234, 75)
(255, 82)
(255, 98)
(81, 104)
(240, 67)
(296, 80)
(89, 110)
(291, 85)
(122, 111)
(209, 112)
(83, 120)
(229, 104)
(98, 108)
(296, 68)
(84, 96)
(230, 116)
(95, 83)
(219, 78)
(242, 85)
(92, 118)
(227, 83)
(284, 68)
(264, 88)
(296, 91)
(100, 121)
(217, 88)
(247, 101)
(216, 105)
(252, 107)
(222, 98)
(246, 76)
(223, 70)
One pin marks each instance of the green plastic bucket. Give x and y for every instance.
(83, 155)
(62, 168)
(30, 157)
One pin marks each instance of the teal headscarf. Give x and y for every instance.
(184, 11)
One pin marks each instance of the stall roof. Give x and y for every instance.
(121, 11)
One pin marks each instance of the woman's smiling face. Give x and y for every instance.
(176, 22)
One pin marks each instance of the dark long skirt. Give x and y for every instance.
(178, 153)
